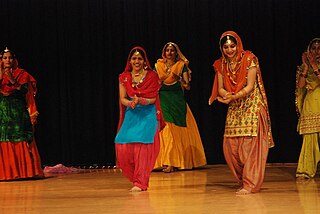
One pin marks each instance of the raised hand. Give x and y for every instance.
(304, 58)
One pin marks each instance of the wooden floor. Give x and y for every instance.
(207, 190)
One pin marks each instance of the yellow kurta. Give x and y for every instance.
(308, 104)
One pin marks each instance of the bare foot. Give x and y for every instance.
(302, 179)
(168, 169)
(243, 191)
(135, 189)
(240, 188)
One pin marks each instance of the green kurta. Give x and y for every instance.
(15, 125)
(173, 104)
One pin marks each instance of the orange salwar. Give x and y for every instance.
(246, 156)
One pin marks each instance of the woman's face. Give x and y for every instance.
(229, 49)
(137, 61)
(7, 60)
(171, 52)
(315, 50)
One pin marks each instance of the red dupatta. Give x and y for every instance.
(149, 88)
(22, 77)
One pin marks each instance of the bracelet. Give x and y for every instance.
(237, 95)
(144, 101)
(131, 104)
(241, 93)
(245, 92)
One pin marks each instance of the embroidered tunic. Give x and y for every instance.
(242, 117)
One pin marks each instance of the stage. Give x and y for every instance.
(210, 189)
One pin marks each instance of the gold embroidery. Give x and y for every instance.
(242, 117)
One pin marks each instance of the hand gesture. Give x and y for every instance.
(1, 69)
(33, 120)
(8, 72)
(226, 100)
(312, 60)
(305, 62)
(177, 77)
(134, 102)
(304, 58)
(135, 99)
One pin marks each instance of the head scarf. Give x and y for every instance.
(180, 55)
(176, 69)
(149, 88)
(232, 83)
(147, 66)
(311, 42)
(300, 93)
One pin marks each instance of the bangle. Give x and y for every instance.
(131, 104)
(238, 95)
(241, 93)
(144, 101)
(245, 92)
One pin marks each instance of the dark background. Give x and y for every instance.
(77, 48)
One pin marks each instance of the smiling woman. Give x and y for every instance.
(180, 142)
(137, 140)
(247, 135)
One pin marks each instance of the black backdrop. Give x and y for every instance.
(77, 48)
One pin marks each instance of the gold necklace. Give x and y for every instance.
(136, 83)
(169, 66)
(137, 74)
